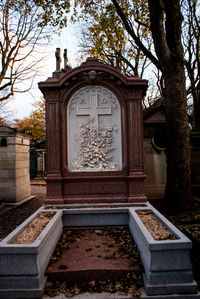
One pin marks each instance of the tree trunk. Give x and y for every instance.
(178, 186)
(196, 109)
(167, 41)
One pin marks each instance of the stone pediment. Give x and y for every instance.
(7, 131)
(155, 113)
(157, 117)
(89, 72)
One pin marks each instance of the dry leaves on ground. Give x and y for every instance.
(154, 226)
(33, 230)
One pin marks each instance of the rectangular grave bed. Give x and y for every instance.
(22, 266)
(95, 259)
(167, 265)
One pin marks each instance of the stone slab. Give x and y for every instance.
(91, 256)
(105, 295)
(20, 202)
(173, 288)
(95, 217)
(23, 282)
(118, 296)
(17, 293)
(170, 277)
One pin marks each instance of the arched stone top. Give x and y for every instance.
(94, 130)
(91, 72)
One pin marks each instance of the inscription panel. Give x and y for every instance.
(100, 188)
(94, 130)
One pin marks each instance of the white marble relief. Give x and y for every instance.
(94, 130)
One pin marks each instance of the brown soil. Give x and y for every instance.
(34, 229)
(154, 226)
(10, 219)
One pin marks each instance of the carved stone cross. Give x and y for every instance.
(94, 111)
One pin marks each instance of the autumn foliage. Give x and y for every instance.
(35, 123)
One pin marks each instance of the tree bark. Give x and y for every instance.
(178, 186)
(168, 47)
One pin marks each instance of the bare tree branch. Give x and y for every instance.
(20, 35)
(130, 31)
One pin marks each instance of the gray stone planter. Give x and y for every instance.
(22, 266)
(167, 264)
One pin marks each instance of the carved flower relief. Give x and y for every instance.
(72, 105)
(94, 145)
(95, 149)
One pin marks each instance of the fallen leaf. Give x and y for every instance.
(98, 232)
(63, 287)
(69, 294)
(92, 283)
(123, 293)
(62, 267)
(88, 249)
(132, 289)
(76, 290)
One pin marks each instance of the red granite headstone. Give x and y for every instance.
(94, 135)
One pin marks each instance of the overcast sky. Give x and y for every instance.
(21, 103)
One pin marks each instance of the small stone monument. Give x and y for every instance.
(94, 134)
(14, 166)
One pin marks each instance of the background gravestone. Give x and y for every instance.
(94, 135)
(14, 166)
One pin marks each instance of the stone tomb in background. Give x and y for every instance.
(14, 166)
(94, 135)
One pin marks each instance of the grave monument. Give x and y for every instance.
(94, 134)
(14, 166)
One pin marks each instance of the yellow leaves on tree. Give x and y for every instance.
(35, 123)
(3, 122)
(108, 38)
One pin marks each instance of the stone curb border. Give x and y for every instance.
(167, 264)
(22, 266)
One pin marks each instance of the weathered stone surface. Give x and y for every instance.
(163, 259)
(94, 135)
(22, 266)
(14, 166)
